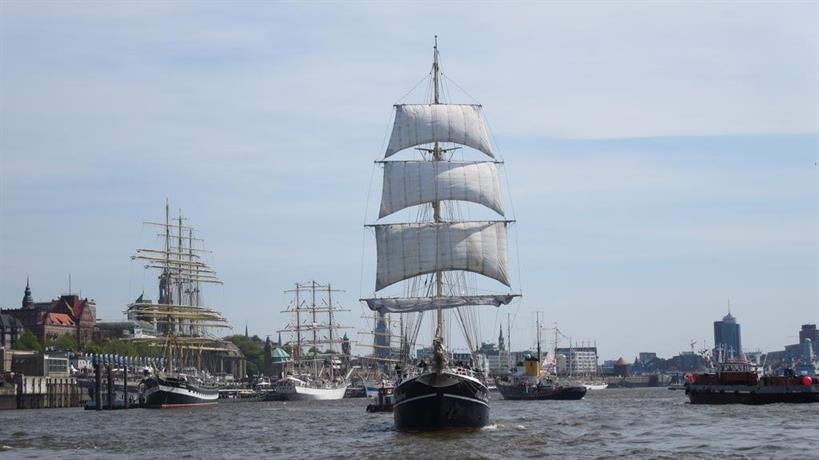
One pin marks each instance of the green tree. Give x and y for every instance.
(253, 351)
(121, 347)
(28, 341)
(94, 347)
(66, 342)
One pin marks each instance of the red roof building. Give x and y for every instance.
(69, 314)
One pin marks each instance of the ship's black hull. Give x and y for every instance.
(556, 393)
(750, 396)
(166, 393)
(438, 401)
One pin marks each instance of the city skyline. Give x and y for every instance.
(654, 172)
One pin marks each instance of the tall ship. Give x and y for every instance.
(529, 382)
(431, 252)
(183, 324)
(315, 374)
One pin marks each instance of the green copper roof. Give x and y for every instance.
(278, 354)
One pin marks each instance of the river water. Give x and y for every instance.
(642, 423)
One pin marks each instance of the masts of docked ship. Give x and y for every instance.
(310, 377)
(181, 322)
(299, 308)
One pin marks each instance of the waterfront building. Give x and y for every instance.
(10, 331)
(754, 357)
(346, 347)
(686, 361)
(381, 337)
(128, 329)
(68, 314)
(809, 331)
(498, 358)
(644, 358)
(275, 359)
(727, 340)
(607, 368)
(800, 355)
(39, 380)
(40, 364)
(622, 368)
(499, 364)
(576, 360)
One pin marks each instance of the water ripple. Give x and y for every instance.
(617, 423)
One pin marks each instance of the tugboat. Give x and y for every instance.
(738, 382)
(383, 399)
(527, 383)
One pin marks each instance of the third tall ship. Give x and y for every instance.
(315, 375)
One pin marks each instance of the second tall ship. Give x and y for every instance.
(182, 323)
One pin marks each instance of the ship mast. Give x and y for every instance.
(314, 347)
(436, 205)
(537, 324)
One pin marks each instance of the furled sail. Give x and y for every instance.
(410, 183)
(408, 250)
(417, 124)
(413, 304)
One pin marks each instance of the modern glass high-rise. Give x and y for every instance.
(727, 341)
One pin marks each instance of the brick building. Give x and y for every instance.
(68, 314)
(10, 331)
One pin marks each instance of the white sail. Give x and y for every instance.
(413, 304)
(417, 124)
(410, 183)
(408, 250)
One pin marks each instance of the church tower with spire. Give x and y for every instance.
(501, 343)
(28, 301)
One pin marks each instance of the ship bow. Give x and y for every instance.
(436, 401)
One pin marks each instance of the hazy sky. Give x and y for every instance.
(661, 158)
